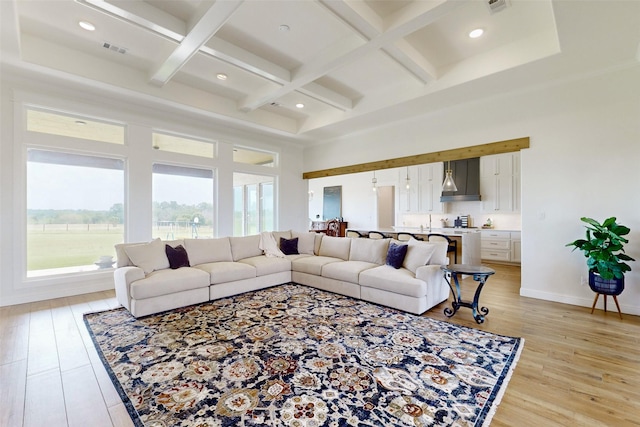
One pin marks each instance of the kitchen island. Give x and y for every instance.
(469, 240)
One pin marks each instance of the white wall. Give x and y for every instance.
(292, 189)
(585, 148)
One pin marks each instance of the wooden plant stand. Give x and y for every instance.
(615, 299)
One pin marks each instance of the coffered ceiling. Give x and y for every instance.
(314, 69)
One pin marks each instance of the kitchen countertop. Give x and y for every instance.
(446, 231)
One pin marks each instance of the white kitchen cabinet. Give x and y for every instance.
(515, 247)
(431, 187)
(499, 245)
(500, 182)
(408, 197)
(425, 188)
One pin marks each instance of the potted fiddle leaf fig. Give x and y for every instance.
(604, 250)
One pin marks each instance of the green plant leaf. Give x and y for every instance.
(604, 247)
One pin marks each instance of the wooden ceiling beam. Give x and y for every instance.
(507, 146)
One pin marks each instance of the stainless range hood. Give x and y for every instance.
(466, 175)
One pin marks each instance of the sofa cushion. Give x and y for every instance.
(317, 242)
(369, 250)
(245, 247)
(418, 253)
(306, 242)
(227, 271)
(396, 255)
(177, 256)
(335, 247)
(123, 260)
(347, 271)
(312, 264)
(148, 256)
(298, 256)
(282, 235)
(202, 251)
(400, 281)
(267, 265)
(289, 246)
(167, 282)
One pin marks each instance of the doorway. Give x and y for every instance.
(386, 206)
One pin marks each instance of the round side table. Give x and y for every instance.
(480, 274)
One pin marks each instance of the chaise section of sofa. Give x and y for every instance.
(145, 284)
(415, 287)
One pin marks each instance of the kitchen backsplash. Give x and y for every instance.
(503, 221)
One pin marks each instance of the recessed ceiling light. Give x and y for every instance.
(476, 33)
(86, 25)
(299, 105)
(221, 76)
(284, 28)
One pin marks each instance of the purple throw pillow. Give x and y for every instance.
(177, 256)
(396, 254)
(289, 246)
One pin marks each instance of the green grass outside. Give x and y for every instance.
(62, 245)
(61, 248)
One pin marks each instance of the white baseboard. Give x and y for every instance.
(42, 294)
(581, 301)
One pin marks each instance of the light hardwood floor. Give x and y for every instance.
(576, 369)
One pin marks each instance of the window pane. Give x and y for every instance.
(176, 144)
(75, 212)
(266, 206)
(182, 202)
(76, 127)
(253, 203)
(253, 157)
(251, 209)
(238, 210)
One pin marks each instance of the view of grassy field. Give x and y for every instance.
(70, 245)
(55, 247)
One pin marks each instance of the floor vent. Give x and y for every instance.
(114, 48)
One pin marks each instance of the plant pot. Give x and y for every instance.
(605, 286)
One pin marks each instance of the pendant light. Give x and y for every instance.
(408, 180)
(449, 184)
(374, 181)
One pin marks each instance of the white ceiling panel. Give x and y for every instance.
(446, 41)
(349, 62)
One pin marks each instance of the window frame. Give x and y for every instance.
(25, 140)
(214, 189)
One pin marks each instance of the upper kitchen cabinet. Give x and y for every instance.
(409, 189)
(431, 177)
(425, 187)
(500, 182)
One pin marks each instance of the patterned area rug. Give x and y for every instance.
(297, 356)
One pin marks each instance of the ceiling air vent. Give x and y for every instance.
(497, 5)
(114, 48)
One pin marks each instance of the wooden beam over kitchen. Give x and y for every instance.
(499, 147)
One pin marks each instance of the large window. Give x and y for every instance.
(253, 204)
(182, 202)
(75, 211)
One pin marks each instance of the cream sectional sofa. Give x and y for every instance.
(222, 267)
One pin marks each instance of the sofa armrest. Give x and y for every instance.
(123, 277)
(430, 274)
